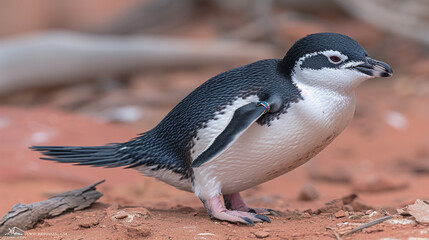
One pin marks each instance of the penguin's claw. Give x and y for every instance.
(249, 221)
(273, 212)
(266, 211)
(263, 218)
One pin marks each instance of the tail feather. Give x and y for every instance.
(98, 156)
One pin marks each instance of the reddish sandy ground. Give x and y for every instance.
(369, 155)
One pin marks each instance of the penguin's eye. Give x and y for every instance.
(334, 59)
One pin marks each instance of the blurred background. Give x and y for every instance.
(89, 72)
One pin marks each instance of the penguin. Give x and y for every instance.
(245, 126)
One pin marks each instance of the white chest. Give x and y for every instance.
(263, 153)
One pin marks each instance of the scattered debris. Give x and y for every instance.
(308, 193)
(346, 203)
(420, 211)
(403, 221)
(357, 215)
(374, 214)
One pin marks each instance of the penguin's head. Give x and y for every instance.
(333, 61)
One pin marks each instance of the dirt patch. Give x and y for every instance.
(135, 206)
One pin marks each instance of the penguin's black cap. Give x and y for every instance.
(330, 41)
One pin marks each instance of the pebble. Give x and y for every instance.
(138, 232)
(89, 222)
(120, 215)
(261, 234)
(126, 114)
(308, 193)
(340, 214)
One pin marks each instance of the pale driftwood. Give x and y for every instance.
(25, 216)
(53, 58)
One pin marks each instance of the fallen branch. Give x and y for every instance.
(59, 57)
(368, 224)
(25, 216)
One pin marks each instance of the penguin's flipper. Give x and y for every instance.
(241, 120)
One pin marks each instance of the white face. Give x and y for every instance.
(333, 73)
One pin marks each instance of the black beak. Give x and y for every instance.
(374, 68)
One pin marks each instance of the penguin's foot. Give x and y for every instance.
(218, 211)
(235, 202)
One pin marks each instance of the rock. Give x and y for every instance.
(420, 211)
(88, 222)
(396, 120)
(340, 214)
(261, 234)
(309, 211)
(142, 212)
(138, 232)
(376, 183)
(357, 215)
(343, 203)
(375, 215)
(358, 205)
(308, 193)
(331, 207)
(349, 198)
(120, 215)
(124, 114)
(403, 212)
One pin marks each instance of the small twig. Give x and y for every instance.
(368, 224)
(337, 236)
